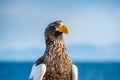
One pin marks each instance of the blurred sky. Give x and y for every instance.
(94, 28)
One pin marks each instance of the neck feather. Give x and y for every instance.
(55, 46)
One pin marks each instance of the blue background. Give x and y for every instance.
(93, 43)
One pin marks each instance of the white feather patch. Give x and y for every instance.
(37, 72)
(61, 23)
(74, 72)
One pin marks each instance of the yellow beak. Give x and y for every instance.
(63, 28)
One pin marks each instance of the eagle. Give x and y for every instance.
(55, 64)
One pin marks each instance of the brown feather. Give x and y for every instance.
(56, 59)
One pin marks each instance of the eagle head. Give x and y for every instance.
(55, 29)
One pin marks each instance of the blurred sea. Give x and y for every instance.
(87, 71)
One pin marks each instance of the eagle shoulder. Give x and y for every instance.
(74, 72)
(37, 72)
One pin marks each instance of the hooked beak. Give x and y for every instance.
(63, 28)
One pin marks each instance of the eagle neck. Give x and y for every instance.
(55, 46)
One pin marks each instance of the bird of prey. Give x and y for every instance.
(55, 64)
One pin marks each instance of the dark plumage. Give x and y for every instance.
(55, 57)
(58, 63)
